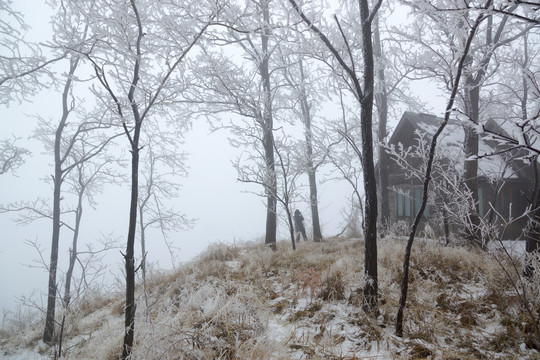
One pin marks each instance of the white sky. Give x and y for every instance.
(211, 193)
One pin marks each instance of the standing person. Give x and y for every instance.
(299, 225)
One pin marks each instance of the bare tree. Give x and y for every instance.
(427, 178)
(501, 29)
(85, 181)
(151, 48)
(63, 147)
(362, 89)
(289, 171)
(160, 169)
(299, 79)
(249, 87)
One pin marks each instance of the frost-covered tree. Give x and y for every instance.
(139, 57)
(435, 58)
(516, 109)
(306, 81)
(71, 142)
(361, 84)
(160, 168)
(24, 71)
(460, 70)
(288, 170)
(247, 86)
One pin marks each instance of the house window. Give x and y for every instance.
(418, 202)
(399, 204)
(403, 203)
(506, 203)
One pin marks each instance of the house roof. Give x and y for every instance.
(451, 140)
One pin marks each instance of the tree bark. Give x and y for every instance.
(268, 134)
(48, 334)
(129, 256)
(311, 170)
(381, 99)
(73, 251)
(370, 183)
(472, 103)
(532, 231)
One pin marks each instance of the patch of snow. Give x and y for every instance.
(23, 354)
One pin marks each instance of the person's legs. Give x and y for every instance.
(304, 234)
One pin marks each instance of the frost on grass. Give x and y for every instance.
(248, 302)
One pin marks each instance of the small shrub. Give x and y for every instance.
(333, 287)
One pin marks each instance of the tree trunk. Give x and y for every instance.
(317, 234)
(370, 183)
(129, 320)
(313, 200)
(532, 231)
(427, 179)
(472, 96)
(381, 99)
(48, 334)
(73, 251)
(268, 135)
(143, 237)
(291, 228)
(473, 82)
(364, 95)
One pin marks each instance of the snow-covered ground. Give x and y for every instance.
(248, 302)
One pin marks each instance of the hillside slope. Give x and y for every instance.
(248, 302)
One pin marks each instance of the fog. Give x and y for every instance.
(224, 209)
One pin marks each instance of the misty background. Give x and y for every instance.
(223, 209)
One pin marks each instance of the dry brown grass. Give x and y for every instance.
(249, 302)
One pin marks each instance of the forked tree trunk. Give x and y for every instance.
(48, 333)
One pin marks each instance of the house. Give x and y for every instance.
(505, 180)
